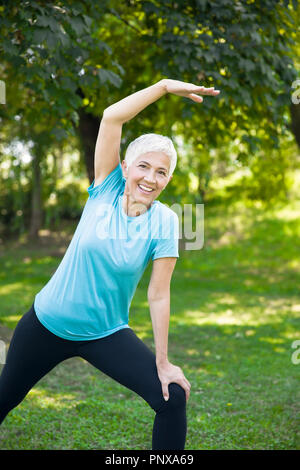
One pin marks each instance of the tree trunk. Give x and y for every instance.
(88, 131)
(36, 202)
(295, 122)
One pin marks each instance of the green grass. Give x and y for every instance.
(235, 311)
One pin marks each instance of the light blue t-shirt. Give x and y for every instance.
(89, 295)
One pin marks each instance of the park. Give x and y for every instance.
(79, 82)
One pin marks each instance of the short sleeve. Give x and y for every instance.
(111, 183)
(167, 244)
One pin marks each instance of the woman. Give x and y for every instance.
(83, 309)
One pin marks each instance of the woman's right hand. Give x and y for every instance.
(168, 373)
(189, 90)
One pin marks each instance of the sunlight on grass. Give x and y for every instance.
(58, 401)
(272, 340)
(192, 352)
(291, 334)
(140, 332)
(11, 319)
(197, 317)
(294, 264)
(11, 288)
(268, 311)
(279, 350)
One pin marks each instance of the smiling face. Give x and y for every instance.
(146, 177)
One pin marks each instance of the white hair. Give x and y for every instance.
(151, 143)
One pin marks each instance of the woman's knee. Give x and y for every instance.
(177, 399)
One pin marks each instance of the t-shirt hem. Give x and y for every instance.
(81, 338)
(166, 255)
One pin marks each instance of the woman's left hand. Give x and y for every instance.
(188, 90)
(168, 373)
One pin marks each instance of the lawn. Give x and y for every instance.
(235, 311)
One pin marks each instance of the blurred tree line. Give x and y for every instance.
(64, 62)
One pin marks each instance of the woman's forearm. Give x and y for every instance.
(127, 108)
(160, 316)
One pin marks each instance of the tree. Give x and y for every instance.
(46, 49)
(71, 59)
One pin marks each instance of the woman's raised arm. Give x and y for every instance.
(109, 137)
(129, 107)
(107, 155)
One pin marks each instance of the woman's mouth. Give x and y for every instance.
(145, 189)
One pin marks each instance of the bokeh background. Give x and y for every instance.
(235, 304)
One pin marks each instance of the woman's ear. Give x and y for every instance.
(124, 169)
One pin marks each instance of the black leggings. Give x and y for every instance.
(34, 351)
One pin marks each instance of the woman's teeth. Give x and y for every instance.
(144, 189)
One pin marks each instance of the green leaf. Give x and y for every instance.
(10, 48)
(247, 65)
(64, 39)
(51, 40)
(42, 21)
(75, 117)
(39, 35)
(88, 20)
(111, 77)
(120, 68)
(78, 26)
(59, 133)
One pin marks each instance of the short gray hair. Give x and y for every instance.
(151, 143)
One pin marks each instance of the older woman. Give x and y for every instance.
(83, 310)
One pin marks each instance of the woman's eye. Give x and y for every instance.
(144, 166)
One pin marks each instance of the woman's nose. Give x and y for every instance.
(150, 178)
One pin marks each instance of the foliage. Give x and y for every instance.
(67, 205)
(65, 56)
(45, 47)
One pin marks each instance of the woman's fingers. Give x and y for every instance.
(187, 390)
(188, 383)
(189, 89)
(196, 98)
(165, 390)
(169, 373)
(209, 91)
(202, 91)
(187, 387)
(183, 383)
